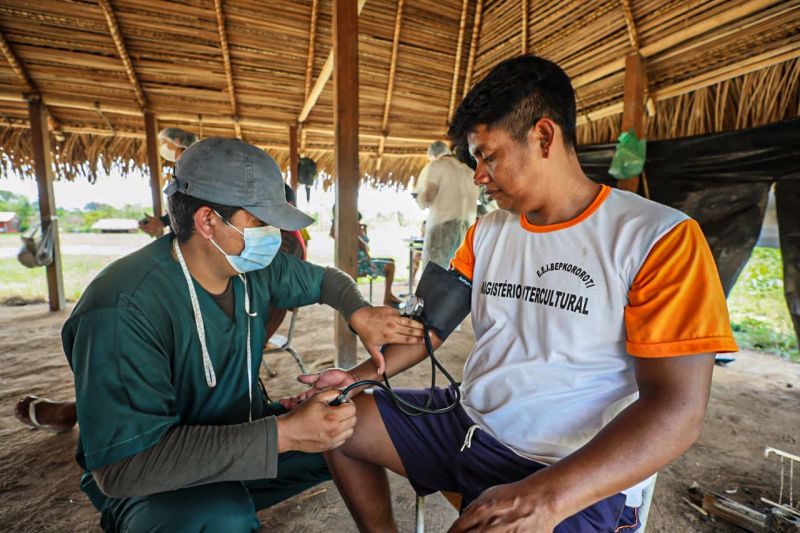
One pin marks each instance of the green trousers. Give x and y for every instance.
(229, 506)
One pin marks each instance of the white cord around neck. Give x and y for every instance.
(248, 316)
(211, 377)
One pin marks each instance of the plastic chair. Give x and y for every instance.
(455, 501)
(647, 501)
(453, 497)
(371, 279)
(284, 344)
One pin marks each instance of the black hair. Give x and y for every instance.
(182, 208)
(514, 96)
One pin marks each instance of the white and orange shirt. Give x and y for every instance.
(560, 311)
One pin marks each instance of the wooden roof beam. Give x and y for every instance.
(462, 26)
(17, 67)
(322, 80)
(226, 58)
(127, 134)
(31, 90)
(217, 120)
(740, 68)
(150, 123)
(312, 37)
(630, 23)
(119, 42)
(473, 47)
(689, 32)
(525, 26)
(390, 86)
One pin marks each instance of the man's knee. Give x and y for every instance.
(214, 507)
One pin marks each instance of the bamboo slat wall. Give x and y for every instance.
(712, 65)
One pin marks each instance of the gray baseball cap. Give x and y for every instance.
(232, 172)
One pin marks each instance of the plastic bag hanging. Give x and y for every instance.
(629, 158)
(307, 174)
(37, 246)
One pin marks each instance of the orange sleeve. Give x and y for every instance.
(676, 303)
(464, 260)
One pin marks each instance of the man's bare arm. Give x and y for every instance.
(654, 430)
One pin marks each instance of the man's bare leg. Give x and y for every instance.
(56, 416)
(358, 469)
(388, 297)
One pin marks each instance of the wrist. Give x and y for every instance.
(284, 444)
(365, 370)
(353, 375)
(355, 316)
(541, 495)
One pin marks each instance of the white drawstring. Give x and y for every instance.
(468, 437)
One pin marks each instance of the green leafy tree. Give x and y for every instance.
(19, 204)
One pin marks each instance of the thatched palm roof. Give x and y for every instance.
(247, 67)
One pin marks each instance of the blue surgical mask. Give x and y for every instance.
(261, 244)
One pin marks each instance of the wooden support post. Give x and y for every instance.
(43, 166)
(345, 123)
(151, 142)
(293, 160)
(633, 107)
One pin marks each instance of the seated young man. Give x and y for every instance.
(596, 314)
(175, 432)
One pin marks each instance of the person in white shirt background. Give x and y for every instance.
(445, 188)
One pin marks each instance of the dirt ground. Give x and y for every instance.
(755, 403)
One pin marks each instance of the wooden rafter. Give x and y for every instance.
(462, 26)
(398, 18)
(525, 26)
(119, 42)
(674, 39)
(128, 134)
(17, 67)
(473, 46)
(104, 117)
(226, 58)
(312, 37)
(216, 120)
(322, 80)
(31, 90)
(633, 35)
(740, 68)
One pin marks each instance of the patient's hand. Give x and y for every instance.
(333, 378)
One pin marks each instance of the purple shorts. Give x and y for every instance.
(430, 447)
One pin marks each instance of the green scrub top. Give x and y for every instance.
(133, 346)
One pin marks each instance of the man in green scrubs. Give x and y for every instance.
(175, 432)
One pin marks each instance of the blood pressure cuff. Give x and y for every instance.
(446, 296)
